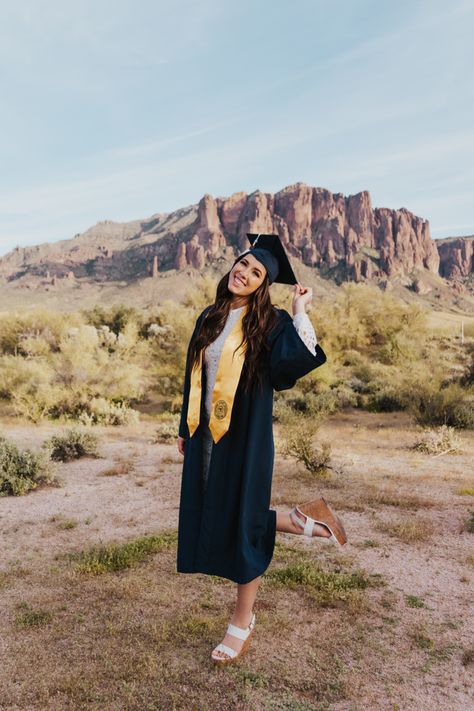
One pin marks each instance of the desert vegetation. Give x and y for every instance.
(22, 470)
(89, 478)
(101, 366)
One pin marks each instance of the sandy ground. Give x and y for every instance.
(411, 656)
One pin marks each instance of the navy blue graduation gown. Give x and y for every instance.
(228, 529)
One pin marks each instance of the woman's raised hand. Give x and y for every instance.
(181, 442)
(302, 297)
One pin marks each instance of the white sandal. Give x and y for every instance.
(324, 516)
(232, 654)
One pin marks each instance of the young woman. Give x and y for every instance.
(242, 349)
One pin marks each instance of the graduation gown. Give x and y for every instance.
(227, 528)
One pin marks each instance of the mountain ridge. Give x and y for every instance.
(343, 237)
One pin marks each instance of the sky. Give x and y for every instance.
(118, 109)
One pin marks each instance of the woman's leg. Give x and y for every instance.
(285, 524)
(243, 612)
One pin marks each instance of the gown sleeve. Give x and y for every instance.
(290, 357)
(183, 430)
(305, 330)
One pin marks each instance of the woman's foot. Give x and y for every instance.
(229, 639)
(318, 529)
(317, 513)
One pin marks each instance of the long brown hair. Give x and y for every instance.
(257, 323)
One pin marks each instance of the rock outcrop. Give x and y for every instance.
(343, 236)
(456, 257)
(323, 229)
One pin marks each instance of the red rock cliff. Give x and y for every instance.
(456, 256)
(321, 228)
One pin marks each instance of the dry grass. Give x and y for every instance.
(113, 557)
(408, 530)
(139, 638)
(122, 467)
(465, 491)
(435, 650)
(389, 497)
(368, 626)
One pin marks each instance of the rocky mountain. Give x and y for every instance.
(456, 256)
(344, 237)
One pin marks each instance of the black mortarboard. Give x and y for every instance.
(269, 250)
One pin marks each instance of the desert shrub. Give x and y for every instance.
(200, 295)
(33, 333)
(23, 470)
(362, 318)
(28, 385)
(441, 439)
(167, 430)
(73, 444)
(168, 343)
(88, 368)
(337, 397)
(431, 405)
(367, 372)
(322, 403)
(468, 376)
(386, 398)
(282, 410)
(298, 438)
(353, 359)
(115, 318)
(99, 411)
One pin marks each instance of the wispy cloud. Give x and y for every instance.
(143, 108)
(146, 149)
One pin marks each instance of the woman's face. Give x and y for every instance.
(246, 276)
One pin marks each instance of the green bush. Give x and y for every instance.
(386, 398)
(93, 367)
(80, 377)
(34, 333)
(73, 444)
(115, 318)
(298, 436)
(101, 411)
(364, 319)
(28, 385)
(21, 471)
(167, 430)
(453, 405)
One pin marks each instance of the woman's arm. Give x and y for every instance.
(305, 330)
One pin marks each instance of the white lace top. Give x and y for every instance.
(212, 353)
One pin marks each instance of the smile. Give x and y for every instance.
(238, 281)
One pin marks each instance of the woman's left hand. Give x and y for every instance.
(302, 297)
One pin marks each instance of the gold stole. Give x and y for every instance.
(227, 379)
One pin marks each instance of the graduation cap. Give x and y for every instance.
(269, 251)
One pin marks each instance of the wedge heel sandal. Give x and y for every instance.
(231, 654)
(318, 511)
